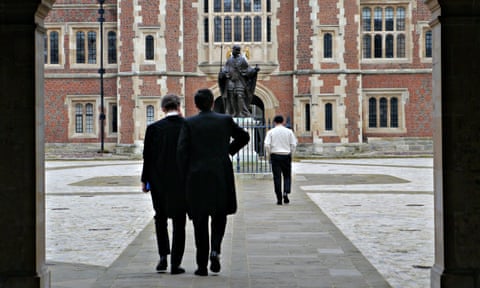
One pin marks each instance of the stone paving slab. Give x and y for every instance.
(303, 244)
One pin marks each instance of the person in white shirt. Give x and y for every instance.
(280, 144)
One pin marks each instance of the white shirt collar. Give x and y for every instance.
(172, 113)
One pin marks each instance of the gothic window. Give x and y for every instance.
(149, 47)
(307, 117)
(372, 112)
(328, 117)
(150, 114)
(428, 43)
(86, 47)
(383, 112)
(112, 47)
(52, 47)
(327, 45)
(388, 33)
(113, 116)
(84, 118)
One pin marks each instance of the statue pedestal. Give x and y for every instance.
(251, 155)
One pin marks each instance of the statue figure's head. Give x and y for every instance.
(236, 50)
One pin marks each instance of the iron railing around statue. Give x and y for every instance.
(251, 159)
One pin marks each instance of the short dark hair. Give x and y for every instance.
(278, 119)
(204, 99)
(170, 102)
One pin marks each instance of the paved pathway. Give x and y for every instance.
(351, 223)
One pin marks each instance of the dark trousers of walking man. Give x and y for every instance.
(282, 166)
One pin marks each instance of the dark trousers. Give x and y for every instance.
(281, 166)
(178, 236)
(202, 242)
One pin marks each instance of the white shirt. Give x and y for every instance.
(280, 140)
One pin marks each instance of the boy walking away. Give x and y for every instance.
(280, 144)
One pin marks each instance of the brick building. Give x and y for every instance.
(345, 73)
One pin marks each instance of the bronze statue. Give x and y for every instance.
(237, 81)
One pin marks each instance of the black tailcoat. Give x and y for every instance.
(160, 167)
(205, 144)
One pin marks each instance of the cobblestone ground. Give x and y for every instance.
(95, 209)
(389, 219)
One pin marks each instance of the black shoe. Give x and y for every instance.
(177, 270)
(279, 202)
(201, 272)
(286, 200)
(162, 264)
(214, 262)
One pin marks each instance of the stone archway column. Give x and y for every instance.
(22, 189)
(456, 94)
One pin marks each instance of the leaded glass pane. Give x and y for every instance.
(78, 118)
(367, 19)
(217, 6)
(428, 44)
(400, 19)
(394, 112)
(401, 46)
(257, 5)
(54, 58)
(389, 46)
(378, 46)
(328, 117)
(389, 19)
(112, 47)
(238, 29)
(92, 47)
(149, 47)
(227, 6)
(80, 37)
(257, 26)
(227, 26)
(247, 5)
(150, 114)
(237, 6)
(367, 46)
(218, 29)
(378, 19)
(372, 113)
(89, 118)
(383, 113)
(247, 29)
(327, 45)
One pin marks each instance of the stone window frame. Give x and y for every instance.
(109, 103)
(85, 27)
(72, 101)
(301, 122)
(334, 32)
(324, 99)
(424, 27)
(61, 50)
(402, 94)
(141, 54)
(107, 28)
(143, 103)
(408, 45)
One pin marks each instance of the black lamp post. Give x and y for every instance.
(101, 71)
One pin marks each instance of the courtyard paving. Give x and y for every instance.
(351, 223)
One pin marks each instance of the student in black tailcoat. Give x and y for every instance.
(160, 171)
(206, 142)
